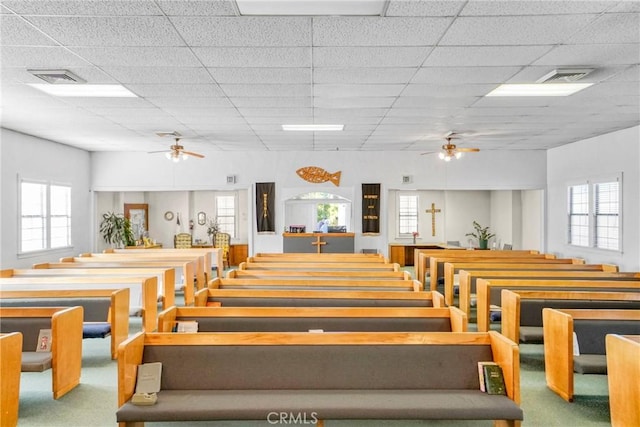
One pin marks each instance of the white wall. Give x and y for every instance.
(605, 155)
(29, 157)
(510, 170)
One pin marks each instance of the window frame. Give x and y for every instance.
(47, 218)
(593, 235)
(234, 195)
(400, 217)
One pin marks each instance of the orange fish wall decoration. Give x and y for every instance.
(318, 175)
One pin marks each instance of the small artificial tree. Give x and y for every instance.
(213, 228)
(482, 234)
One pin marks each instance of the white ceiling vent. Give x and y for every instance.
(564, 75)
(58, 76)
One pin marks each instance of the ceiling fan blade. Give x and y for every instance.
(159, 151)
(189, 153)
(428, 152)
(174, 133)
(467, 150)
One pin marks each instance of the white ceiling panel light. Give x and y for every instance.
(313, 128)
(538, 89)
(89, 91)
(311, 7)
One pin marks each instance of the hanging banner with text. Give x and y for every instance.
(265, 206)
(371, 208)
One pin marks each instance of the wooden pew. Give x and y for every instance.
(142, 291)
(522, 309)
(623, 371)
(186, 269)
(117, 317)
(467, 278)
(437, 263)
(591, 327)
(65, 357)
(333, 371)
(304, 319)
(10, 364)
(166, 276)
(199, 260)
(304, 298)
(333, 275)
(489, 291)
(372, 284)
(301, 257)
(213, 256)
(328, 266)
(422, 257)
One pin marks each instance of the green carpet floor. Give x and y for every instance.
(94, 401)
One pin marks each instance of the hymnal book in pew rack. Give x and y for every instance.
(491, 378)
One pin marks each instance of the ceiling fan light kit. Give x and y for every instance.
(176, 152)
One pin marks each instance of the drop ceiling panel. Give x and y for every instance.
(109, 31)
(376, 31)
(269, 90)
(455, 56)
(356, 90)
(369, 56)
(468, 75)
(261, 75)
(533, 7)
(432, 102)
(446, 91)
(610, 28)
(591, 55)
(82, 8)
(184, 113)
(191, 102)
(424, 8)
(14, 31)
(176, 90)
(138, 56)
(175, 74)
(276, 112)
(363, 75)
(39, 57)
(354, 102)
(273, 102)
(198, 8)
(254, 57)
(249, 31)
(513, 30)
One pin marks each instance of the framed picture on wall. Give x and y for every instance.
(138, 214)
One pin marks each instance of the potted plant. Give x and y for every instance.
(482, 234)
(212, 229)
(116, 230)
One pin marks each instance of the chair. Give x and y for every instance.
(223, 241)
(182, 241)
(507, 247)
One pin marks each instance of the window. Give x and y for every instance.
(601, 201)
(407, 214)
(607, 212)
(45, 216)
(226, 214)
(579, 215)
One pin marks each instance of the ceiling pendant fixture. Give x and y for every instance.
(176, 151)
(451, 151)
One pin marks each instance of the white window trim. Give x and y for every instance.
(591, 182)
(398, 195)
(47, 250)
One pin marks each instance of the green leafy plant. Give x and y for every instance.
(481, 233)
(116, 230)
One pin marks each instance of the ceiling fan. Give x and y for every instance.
(176, 151)
(450, 150)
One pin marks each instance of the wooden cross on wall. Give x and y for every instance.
(433, 211)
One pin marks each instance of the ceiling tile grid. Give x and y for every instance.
(400, 81)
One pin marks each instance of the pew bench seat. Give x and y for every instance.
(319, 376)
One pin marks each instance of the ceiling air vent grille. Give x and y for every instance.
(564, 75)
(57, 76)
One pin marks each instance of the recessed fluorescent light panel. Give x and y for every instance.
(311, 7)
(95, 91)
(313, 128)
(539, 89)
